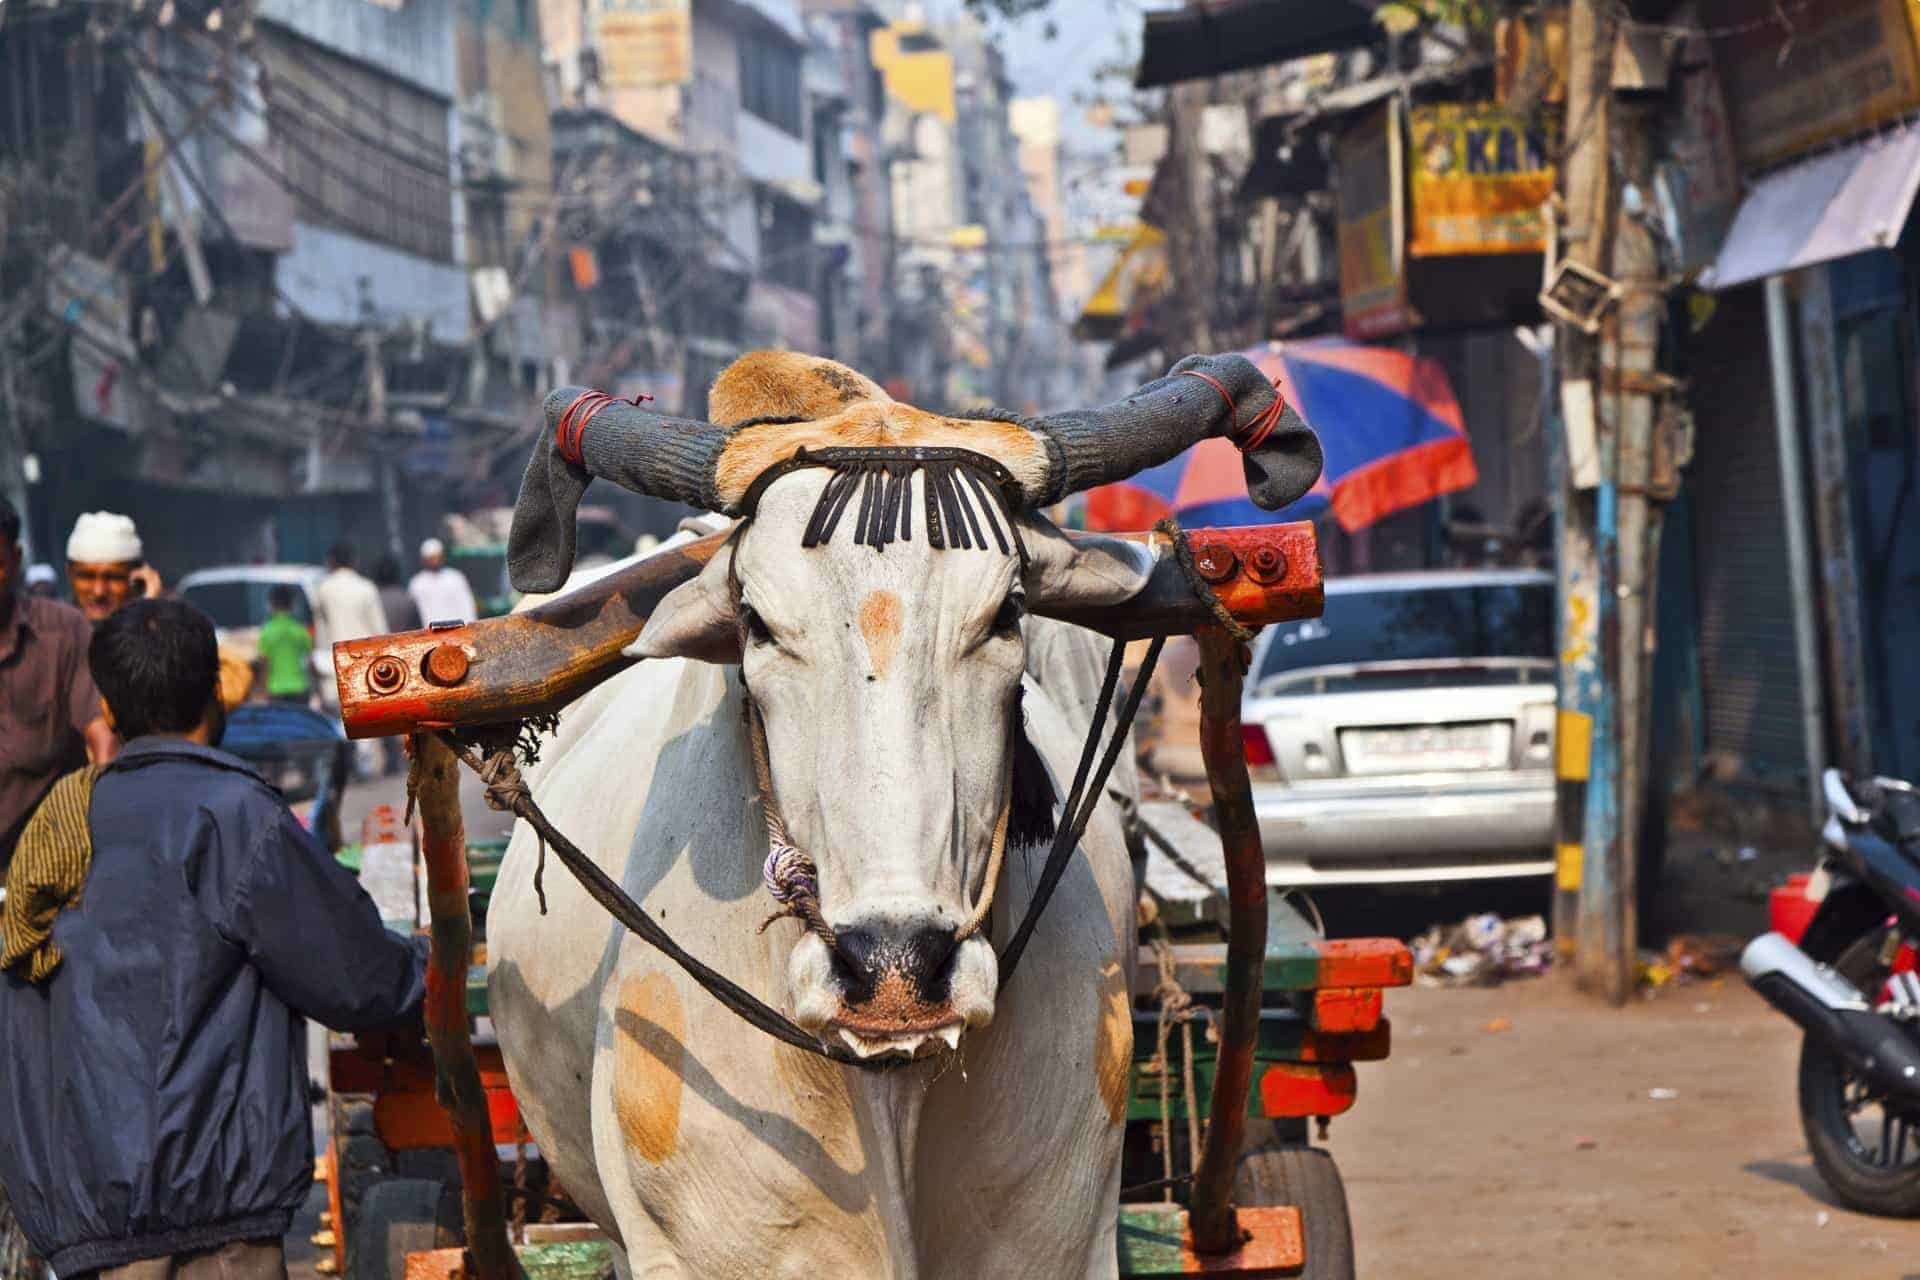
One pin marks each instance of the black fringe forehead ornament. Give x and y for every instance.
(968, 497)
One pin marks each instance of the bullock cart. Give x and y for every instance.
(1246, 1022)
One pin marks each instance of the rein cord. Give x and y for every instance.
(791, 875)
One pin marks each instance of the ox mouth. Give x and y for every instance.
(870, 1040)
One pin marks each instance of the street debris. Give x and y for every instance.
(1482, 951)
(1499, 1024)
(1688, 957)
(1585, 1144)
(1663, 1095)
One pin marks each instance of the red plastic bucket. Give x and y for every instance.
(1789, 910)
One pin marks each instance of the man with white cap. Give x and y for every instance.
(439, 590)
(106, 565)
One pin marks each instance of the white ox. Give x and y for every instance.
(887, 682)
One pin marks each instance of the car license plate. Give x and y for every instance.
(1427, 748)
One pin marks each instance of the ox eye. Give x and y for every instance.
(1007, 621)
(754, 624)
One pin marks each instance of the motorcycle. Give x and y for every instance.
(1852, 984)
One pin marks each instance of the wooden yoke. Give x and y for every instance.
(503, 670)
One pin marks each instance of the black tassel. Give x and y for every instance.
(1030, 812)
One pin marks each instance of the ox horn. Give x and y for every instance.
(650, 453)
(1203, 396)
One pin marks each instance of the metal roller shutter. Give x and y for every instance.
(1748, 674)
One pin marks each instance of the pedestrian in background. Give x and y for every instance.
(345, 606)
(439, 591)
(107, 564)
(168, 927)
(50, 719)
(286, 649)
(402, 614)
(50, 725)
(43, 581)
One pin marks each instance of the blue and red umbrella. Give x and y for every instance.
(1387, 421)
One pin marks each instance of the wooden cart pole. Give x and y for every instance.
(443, 844)
(1223, 668)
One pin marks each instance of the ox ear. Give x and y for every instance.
(1086, 570)
(694, 620)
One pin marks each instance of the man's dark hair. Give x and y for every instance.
(280, 596)
(156, 664)
(342, 554)
(9, 523)
(387, 572)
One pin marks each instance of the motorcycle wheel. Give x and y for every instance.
(1867, 1151)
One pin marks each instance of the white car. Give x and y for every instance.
(1406, 734)
(235, 597)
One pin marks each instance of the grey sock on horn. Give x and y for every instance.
(1163, 418)
(650, 453)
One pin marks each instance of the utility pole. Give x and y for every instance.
(1582, 761)
(1190, 238)
(1612, 394)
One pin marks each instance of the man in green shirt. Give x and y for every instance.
(285, 647)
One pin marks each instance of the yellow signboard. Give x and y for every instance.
(1371, 214)
(644, 44)
(1846, 66)
(1480, 179)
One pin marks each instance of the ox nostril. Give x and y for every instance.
(919, 955)
(855, 956)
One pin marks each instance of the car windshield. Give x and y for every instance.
(1438, 623)
(240, 602)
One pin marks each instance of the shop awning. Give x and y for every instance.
(1129, 287)
(1209, 39)
(1843, 202)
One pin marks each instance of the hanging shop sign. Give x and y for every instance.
(1480, 179)
(644, 44)
(1371, 213)
(1841, 67)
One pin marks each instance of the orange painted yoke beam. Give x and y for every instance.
(503, 670)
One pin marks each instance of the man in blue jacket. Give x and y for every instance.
(153, 1084)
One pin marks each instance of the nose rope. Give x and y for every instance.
(789, 874)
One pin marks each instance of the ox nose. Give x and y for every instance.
(890, 962)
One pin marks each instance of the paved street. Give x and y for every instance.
(1467, 1153)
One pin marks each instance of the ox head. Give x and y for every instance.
(874, 603)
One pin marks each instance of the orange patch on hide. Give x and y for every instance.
(1113, 1043)
(650, 1030)
(880, 624)
(786, 384)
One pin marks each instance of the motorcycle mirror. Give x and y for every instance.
(1840, 801)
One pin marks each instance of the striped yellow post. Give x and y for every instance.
(1572, 763)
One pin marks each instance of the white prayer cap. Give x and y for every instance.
(104, 537)
(432, 547)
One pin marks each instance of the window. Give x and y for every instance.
(770, 79)
(786, 244)
(1454, 623)
(242, 603)
(361, 151)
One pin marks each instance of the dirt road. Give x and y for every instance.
(1463, 1157)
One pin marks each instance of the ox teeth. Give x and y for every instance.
(859, 1044)
(951, 1035)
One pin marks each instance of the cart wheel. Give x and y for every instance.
(397, 1217)
(1276, 1173)
(360, 1158)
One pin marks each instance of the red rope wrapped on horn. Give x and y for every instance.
(571, 430)
(1251, 436)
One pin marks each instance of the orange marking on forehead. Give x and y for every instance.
(880, 625)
